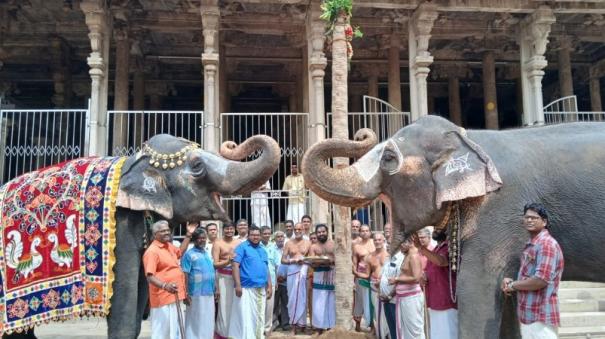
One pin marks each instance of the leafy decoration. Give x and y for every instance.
(331, 9)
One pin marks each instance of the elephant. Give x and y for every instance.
(431, 167)
(187, 189)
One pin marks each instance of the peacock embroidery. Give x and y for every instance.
(63, 254)
(23, 264)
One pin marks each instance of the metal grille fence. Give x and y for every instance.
(385, 120)
(566, 110)
(127, 130)
(290, 130)
(33, 139)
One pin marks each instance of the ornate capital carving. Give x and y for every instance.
(535, 29)
(422, 23)
(210, 25)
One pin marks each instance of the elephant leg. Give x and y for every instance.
(480, 300)
(143, 297)
(124, 321)
(29, 334)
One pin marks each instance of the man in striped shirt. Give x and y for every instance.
(538, 281)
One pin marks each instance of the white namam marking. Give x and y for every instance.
(368, 165)
(399, 156)
(149, 184)
(458, 164)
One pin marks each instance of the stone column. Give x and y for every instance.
(61, 73)
(121, 86)
(419, 28)
(316, 70)
(156, 92)
(138, 87)
(595, 89)
(490, 97)
(565, 77)
(454, 100)
(373, 82)
(394, 72)
(210, 61)
(99, 25)
(533, 38)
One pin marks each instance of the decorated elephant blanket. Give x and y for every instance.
(57, 236)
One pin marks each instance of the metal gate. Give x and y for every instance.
(36, 138)
(127, 130)
(290, 130)
(566, 110)
(385, 120)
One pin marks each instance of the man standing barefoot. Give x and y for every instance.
(294, 252)
(222, 255)
(324, 299)
(361, 301)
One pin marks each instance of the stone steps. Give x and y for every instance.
(582, 310)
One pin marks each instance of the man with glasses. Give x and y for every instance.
(538, 280)
(166, 282)
(242, 229)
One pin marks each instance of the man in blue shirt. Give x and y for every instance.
(252, 285)
(201, 288)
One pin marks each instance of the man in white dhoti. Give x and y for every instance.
(324, 299)
(274, 258)
(410, 299)
(252, 286)
(222, 254)
(361, 249)
(295, 185)
(259, 204)
(294, 252)
(375, 261)
(166, 283)
(201, 289)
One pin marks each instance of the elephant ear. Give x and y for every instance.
(144, 188)
(463, 170)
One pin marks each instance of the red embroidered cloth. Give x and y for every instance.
(57, 236)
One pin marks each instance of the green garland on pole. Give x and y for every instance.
(331, 9)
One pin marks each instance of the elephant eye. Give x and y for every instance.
(197, 167)
(388, 156)
(389, 161)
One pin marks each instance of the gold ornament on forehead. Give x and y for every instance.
(168, 160)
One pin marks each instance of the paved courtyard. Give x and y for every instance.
(93, 328)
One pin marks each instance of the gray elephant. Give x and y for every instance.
(432, 165)
(175, 180)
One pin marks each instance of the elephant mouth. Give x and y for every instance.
(222, 214)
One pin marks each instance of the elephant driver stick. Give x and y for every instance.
(179, 315)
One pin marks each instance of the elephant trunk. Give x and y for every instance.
(244, 177)
(343, 186)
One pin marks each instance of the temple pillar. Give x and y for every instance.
(394, 74)
(419, 28)
(594, 76)
(564, 61)
(490, 96)
(532, 39)
(138, 88)
(317, 62)
(453, 85)
(121, 86)
(210, 61)
(61, 73)
(99, 25)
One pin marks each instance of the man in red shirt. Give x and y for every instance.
(440, 288)
(537, 284)
(166, 282)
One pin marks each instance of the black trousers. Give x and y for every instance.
(280, 309)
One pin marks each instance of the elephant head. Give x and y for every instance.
(415, 172)
(181, 182)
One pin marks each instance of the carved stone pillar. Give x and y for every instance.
(565, 77)
(373, 82)
(60, 55)
(454, 100)
(419, 28)
(595, 89)
(210, 61)
(138, 87)
(533, 38)
(99, 25)
(156, 92)
(316, 70)
(490, 96)
(121, 91)
(394, 72)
